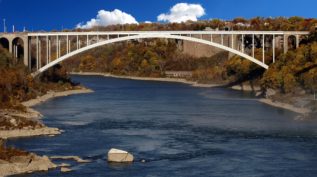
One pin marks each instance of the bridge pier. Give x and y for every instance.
(285, 43)
(26, 52)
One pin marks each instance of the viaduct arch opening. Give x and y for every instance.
(292, 42)
(18, 49)
(4, 43)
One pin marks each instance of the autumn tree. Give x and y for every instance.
(87, 63)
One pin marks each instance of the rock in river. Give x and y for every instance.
(65, 170)
(117, 155)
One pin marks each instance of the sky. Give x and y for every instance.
(48, 15)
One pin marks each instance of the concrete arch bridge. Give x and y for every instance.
(52, 48)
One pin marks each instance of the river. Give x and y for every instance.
(177, 129)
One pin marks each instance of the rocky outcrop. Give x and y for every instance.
(25, 164)
(119, 156)
(65, 170)
(29, 132)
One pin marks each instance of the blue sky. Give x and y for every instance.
(53, 14)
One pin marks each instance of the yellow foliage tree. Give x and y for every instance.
(87, 63)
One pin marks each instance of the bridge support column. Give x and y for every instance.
(67, 46)
(10, 46)
(87, 42)
(263, 49)
(242, 44)
(26, 52)
(232, 41)
(49, 51)
(77, 42)
(40, 55)
(56, 47)
(46, 49)
(29, 53)
(59, 48)
(285, 43)
(273, 48)
(253, 46)
(37, 53)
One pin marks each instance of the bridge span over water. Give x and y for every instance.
(52, 48)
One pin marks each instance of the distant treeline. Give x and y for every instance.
(258, 23)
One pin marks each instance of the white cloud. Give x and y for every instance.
(105, 18)
(183, 12)
(148, 22)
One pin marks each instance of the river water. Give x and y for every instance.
(177, 129)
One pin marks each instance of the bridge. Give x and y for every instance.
(42, 50)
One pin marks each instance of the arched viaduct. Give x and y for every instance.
(52, 48)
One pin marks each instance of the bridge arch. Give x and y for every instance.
(149, 36)
(5, 43)
(292, 42)
(18, 48)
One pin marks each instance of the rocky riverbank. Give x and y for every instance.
(18, 124)
(25, 164)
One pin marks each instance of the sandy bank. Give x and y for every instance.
(5, 134)
(53, 94)
(246, 87)
(161, 79)
(286, 106)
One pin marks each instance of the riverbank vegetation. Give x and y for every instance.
(17, 84)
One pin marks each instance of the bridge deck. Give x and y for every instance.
(161, 32)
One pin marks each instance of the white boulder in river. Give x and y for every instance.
(117, 155)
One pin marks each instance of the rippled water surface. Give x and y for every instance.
(177, 129)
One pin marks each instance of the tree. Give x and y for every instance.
(87, 63)
(5, 58)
